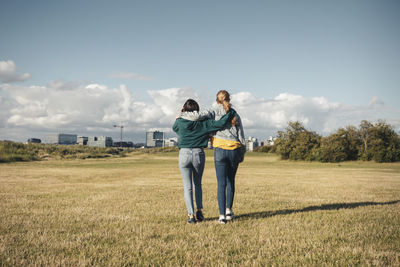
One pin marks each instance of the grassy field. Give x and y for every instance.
(130, 211)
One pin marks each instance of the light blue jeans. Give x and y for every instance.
(191, 165)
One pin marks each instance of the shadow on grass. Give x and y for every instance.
(335, 206)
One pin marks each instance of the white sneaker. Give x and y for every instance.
(222, 219)
(229, 215)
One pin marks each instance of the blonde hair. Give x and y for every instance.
(224, 98)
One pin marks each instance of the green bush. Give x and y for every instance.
(297, 143)
(377, 142)
(340, 146)
(380, 143)
(12, 151)
(265, 149)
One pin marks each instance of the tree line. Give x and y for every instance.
(14, 151)
(368, 141)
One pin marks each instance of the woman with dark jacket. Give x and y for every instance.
(193, 137)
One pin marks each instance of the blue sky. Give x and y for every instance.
(346, 52)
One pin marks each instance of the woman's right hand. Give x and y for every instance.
(234, 121)
(179, 115)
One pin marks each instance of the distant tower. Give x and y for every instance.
(155, 139)
(61, 139)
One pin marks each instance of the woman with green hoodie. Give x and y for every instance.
(193, 136)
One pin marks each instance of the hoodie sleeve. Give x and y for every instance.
(213, 125)
(207, 114)
(240, 130)
(175, 126)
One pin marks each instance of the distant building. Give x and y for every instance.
(155, 139)
(251, 143)
(82, 140)
(101, 141)
(171, 141)
(61, 139)
(34, 140)
(269, 141)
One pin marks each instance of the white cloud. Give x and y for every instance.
(8, 72)
(131, 76)
(88, 108)
(272, 114)
(92, 109)
(263, 117)
(375, 101)
(171, 100)
(60, 84)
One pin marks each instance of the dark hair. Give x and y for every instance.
(190, 105)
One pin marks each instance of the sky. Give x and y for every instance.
(82, 66)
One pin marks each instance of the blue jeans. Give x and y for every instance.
(226, 165)
(191, 165)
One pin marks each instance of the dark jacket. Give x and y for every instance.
(196, 133)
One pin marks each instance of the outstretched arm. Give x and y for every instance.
(213, 125)
(207, 114)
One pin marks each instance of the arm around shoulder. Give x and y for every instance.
(213, 125)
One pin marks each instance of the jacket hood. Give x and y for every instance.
(190, 115)
(217, 109)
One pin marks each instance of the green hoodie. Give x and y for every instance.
(195, 133)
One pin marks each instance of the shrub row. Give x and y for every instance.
(369, 141)
(12, 151)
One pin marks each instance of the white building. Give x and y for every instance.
(269, 141)
(83, 140)
(251, 143)
(101, 141)
(61, 139)
(155, 139)
(171, 141)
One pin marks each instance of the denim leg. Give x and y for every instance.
(221, 171)
(198, 168)
(188, 188)
(186, 168)
(231, 173)
(230, 186)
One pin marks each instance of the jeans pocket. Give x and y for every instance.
(184, 158)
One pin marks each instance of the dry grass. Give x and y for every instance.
(130, 211)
